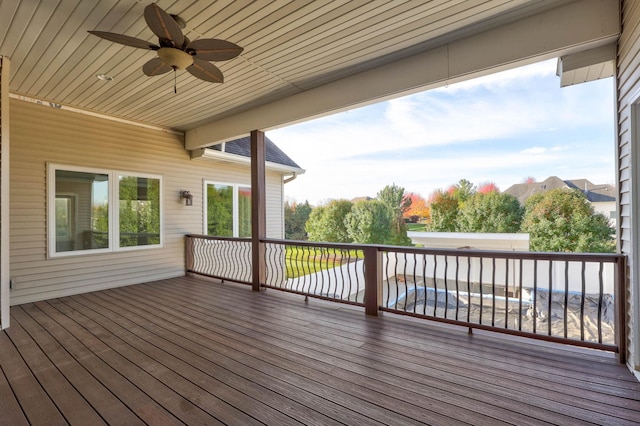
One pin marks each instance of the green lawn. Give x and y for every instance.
(419, 227)
(306, 260)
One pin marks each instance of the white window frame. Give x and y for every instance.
(234, 211)
(113, 212)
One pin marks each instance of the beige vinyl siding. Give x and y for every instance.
(628, 84)
(42, 134)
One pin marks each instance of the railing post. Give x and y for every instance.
(258, 208)
(372, 296)
(621, 308)
(188, 258)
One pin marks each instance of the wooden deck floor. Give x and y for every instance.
(191, 351)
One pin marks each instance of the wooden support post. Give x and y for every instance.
(621, 308)
(5, 275)
(188, 255)
(258, 208)
(372, 290)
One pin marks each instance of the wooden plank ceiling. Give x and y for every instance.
(289, 47)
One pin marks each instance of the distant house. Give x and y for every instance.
(601, 196)
(357, 199)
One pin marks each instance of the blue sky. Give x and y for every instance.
(500, 128)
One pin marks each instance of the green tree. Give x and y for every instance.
(369, 222)
(220, 210)
(393, 196)
(462, 190)
(295, 219)
(327, 223)
(563, 220)
(490, 212)
(139, 211)
(444, 212)
(445, 206)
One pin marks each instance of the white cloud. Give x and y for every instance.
(505, 78)
(500, 128)
(535, 150)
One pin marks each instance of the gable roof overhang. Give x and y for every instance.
(239, 152)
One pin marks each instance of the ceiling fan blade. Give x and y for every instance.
(163, 25)
(211, 49)
(205, 71)
(155, 67)
(126, 40)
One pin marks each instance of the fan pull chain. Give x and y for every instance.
(175, 86)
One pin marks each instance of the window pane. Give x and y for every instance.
(139, 211)
(65, 207)
(244, 211)
(82, 211)
(220, 210)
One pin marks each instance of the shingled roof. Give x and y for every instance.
(594, 193)
(242, 147)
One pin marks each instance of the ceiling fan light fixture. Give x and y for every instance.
(176, 58)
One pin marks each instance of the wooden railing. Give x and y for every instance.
(228, 259)
(571, 298)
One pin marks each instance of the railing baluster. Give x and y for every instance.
(435, 284)
(341, 273)
(520, 294)
(566, 297)
(550, 296)
(506, 293)
(468, 289)
(446, 286)
(535, 295)
(457, 286)
(493, 291)
(582, 300)
(481, 291)
(415, 284)
(426, 286)
(600, 297)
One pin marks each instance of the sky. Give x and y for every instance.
(502, 128)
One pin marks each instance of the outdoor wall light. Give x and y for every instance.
(188, 198)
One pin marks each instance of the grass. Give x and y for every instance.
(419, 227)
(305, 260)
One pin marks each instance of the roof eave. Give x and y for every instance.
(212, 154)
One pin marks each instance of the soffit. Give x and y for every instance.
(289, 47)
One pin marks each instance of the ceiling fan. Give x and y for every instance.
(175, 51)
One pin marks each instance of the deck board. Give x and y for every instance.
(190, 350)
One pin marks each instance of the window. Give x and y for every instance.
(82, 216)
(227, 210)
(139, 211)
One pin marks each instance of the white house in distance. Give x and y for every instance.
(601, 196)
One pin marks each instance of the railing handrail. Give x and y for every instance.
(505, 254)
(209, 237)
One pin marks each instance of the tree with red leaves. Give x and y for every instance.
(488, 187)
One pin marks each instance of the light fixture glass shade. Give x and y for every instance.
(175, 57)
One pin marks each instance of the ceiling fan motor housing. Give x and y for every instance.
(175, 58)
